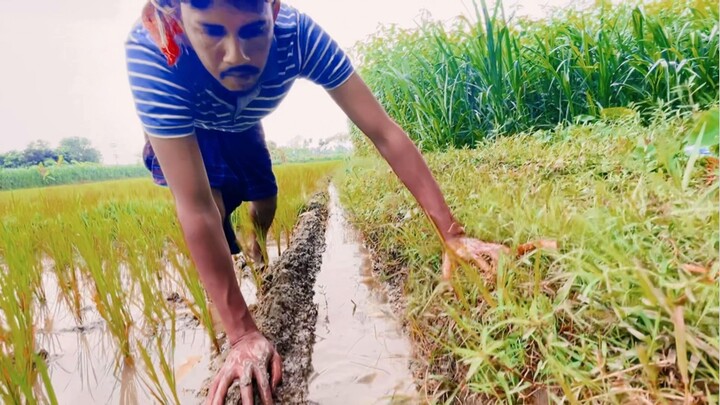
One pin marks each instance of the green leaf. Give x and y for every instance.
(615, 113)
(704, 133)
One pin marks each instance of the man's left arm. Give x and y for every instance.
(354, 97)
(361, 106)
(323, 61)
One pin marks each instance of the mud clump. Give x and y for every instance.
(285, 311)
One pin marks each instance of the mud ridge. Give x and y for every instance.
(285, 311)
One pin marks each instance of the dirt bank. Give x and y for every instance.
(434, 378)
(285, 311)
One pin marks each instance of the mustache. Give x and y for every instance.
(240, 70)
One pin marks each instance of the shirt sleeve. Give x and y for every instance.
(162, 98)
(322, 59)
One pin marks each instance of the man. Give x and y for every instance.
(203, 74)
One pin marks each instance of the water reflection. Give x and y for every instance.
(84, 363)
(361, 355)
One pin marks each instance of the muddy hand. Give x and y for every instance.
(249, 358)
(483, 255)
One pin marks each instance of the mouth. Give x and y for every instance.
(241, 76)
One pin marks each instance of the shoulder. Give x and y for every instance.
(288, 17)
(141, 51)
(291, 20)
(138, 38)
(145, 57)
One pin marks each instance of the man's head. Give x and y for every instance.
(232, 38)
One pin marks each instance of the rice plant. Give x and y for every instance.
(115, 248)
(296, 183)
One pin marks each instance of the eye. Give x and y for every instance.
(252, 31)
(214, 30)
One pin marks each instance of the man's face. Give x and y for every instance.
(232, 43)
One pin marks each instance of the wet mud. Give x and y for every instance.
(335, 326)
(285, 311)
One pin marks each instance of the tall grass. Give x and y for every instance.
(499, 75)
(118, 247)
(626, 311)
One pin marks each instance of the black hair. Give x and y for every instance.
(240, 4)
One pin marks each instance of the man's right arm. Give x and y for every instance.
(201, 223)
(164, 103)
(164, 100)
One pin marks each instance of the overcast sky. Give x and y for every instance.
(63, 72)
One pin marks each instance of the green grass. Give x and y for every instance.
(616, 315)
(40, 176)
(118, 245)
(493, 75)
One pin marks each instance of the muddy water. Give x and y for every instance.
(360, 355)
(82, 358)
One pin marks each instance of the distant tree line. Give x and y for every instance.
(301, 149)
(69, 150)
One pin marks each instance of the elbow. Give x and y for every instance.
(197, 219)
(385, 135)
(394, 142)
(195, 205)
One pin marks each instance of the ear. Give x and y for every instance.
(276, 9)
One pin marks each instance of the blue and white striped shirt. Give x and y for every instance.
(173, 101)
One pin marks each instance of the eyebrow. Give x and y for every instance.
(252, 27)
(212, 26)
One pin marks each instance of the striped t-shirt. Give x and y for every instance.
(173, 101)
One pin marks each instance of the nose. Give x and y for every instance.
(234, 53)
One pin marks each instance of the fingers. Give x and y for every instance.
(484, 255)
(261, 377)
(480, 254)
(211, 391)
(481, 263)
(221, 389)
(447, 267)
(276, 370)
(538, 244)
(476, 252)
(491, 249)
(246, 393)
(525, 248)
(246, 390)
